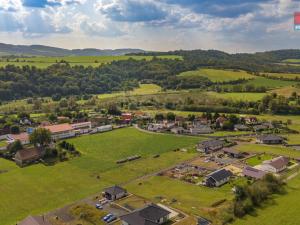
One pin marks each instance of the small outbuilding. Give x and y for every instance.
(218, 178)
(232, 153)
(114, 193)
(27, 156)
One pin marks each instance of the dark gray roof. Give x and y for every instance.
(220, 174)
(145, 216)
(114, 190)
(202, 221)
(212, 143)
(270, 137)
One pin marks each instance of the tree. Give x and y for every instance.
(40, 137)
(15, 129)
(15, 146)
(171, 116)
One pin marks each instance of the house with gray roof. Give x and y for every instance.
(210, 145)
(218, 178)
(150, 215)
(253, 173)
(114, 193)
(34, 220)
(270, 139)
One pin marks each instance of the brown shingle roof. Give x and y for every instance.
(28, 154)
(253, 172)
(279, 162)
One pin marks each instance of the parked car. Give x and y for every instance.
(105, 218)
(112, 218)
(99, 206)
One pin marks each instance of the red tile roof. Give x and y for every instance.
(58, 128)
(21, 137)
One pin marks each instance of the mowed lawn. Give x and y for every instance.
(37, 189)
(284, 210)
(218, 75)
(190, 198)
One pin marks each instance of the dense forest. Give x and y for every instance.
(63, 80)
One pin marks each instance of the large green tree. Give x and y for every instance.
(40, 137)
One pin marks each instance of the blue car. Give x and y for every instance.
(110, 219)
(105, 218)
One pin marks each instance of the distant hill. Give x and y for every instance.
(42, 50)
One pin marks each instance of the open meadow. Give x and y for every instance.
(94, 61)
(37, 189)
(218, 75)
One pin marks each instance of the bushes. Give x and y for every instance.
(251, 196)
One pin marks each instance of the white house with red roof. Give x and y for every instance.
(61, 131)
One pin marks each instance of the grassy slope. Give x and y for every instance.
(239, 96)
(37, 189)
(284, 209)
(218, 75)
(43, 62)
(270, 83)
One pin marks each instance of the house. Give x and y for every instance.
(210, 146)
(26, 156)
(34, 220)
(275, 165)
(269, 139)
(61, 131)
(149, 215)
(202, 129)
(126, 117)
(259, 128)
(177, 130)
(232, 153)
(155, 127)
(251, 120)
(220, 120)
(218, 178)
(114, 193)
(253, 173)
(241, 127)
(22, 137)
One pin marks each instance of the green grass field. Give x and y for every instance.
(256, 160)
(283, 75)
(218, 75)
(270, 83)
(287, 91)
(37, 189)
(269, 149)
(282, 210)
(239, 96)
(291, 61)
(144, 89)
(94, 61)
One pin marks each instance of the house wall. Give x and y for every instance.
(67, 134)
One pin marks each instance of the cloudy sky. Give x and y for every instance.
(229, 25)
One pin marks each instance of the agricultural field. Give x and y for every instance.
(277, 210)
(286, 91)
(94, 61)
(270, 83)
(283, 75)
(45, 188)
(144, 89)
(218, 75)
(239, 96)
(291, 61)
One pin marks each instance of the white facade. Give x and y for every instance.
(63, 135)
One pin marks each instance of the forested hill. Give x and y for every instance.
(41, 50)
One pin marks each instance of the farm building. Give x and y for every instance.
(232, 153)
(210, 146)
(251, 120)
(269, 139)
(22, 137)
(275, 165)
(34, 220)
(221, 120)
(149, 215)
(177, 130)
(82, 126)
(254, 173)
(114, 193)
(218, 178)
(155, 127)
(61, 131)
(241, 127)
(26, 156)
(202, 129)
